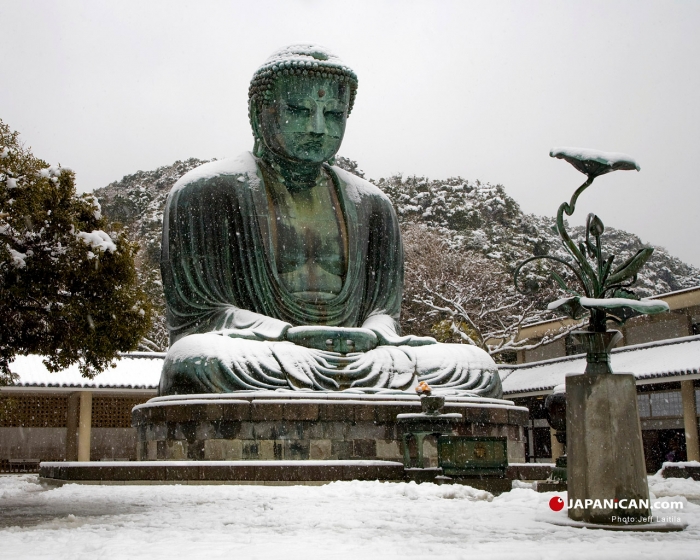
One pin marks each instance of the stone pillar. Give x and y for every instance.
(557, 448)
(73, 413)
(690, 419)
(85, 425)
(604, 449)
(531, 442)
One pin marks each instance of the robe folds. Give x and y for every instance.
(228, 310)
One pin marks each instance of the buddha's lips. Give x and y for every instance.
(317, 141)
(311, 143)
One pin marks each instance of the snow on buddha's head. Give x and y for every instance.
(307, 52)
(304, 59)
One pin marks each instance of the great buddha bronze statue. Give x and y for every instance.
(282, 271)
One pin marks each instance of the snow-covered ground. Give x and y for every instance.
(362, 520)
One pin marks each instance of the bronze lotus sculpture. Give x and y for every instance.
(603, 290)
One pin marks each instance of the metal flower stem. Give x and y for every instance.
(591, 280)
(569, 208)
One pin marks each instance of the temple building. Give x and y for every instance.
(662, 351)
(62, 416)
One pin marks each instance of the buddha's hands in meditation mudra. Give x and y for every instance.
(342, 340)
(346, 340)
(283, 271)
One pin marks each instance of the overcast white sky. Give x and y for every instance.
(478, 89)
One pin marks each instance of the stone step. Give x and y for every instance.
(681, 470)
(529, 471)
(225, 471)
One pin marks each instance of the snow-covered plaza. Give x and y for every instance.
(340, 520)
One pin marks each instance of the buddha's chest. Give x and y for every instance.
(309, 239)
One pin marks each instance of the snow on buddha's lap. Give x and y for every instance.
(338, 520)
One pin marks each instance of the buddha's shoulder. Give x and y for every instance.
(241, 169)
(361, 187)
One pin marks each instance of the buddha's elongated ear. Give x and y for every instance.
(254, 113)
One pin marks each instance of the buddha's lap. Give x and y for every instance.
(270, 355)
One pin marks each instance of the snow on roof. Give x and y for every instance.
(667, 358)
(138, 370)
(674, 293)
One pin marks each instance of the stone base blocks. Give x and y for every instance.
(273, 425)
(604, 448)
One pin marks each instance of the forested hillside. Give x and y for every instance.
(482, 217)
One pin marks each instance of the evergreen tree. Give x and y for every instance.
(68, 290)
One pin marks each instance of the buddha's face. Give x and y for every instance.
(306, 120)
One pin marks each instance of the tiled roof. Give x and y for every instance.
(137, 370)
(666, 358)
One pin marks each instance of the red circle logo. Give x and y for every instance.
(556, 503)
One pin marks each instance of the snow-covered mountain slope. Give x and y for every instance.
(136, 202)
(482, 217)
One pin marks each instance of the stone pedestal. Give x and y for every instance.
(270, 425)
(604, 448)
(417, 427)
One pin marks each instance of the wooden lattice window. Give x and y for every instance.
(38, 411)
(113, 412)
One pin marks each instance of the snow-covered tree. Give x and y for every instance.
(68, 289)
(458, 295)
(349, 165)
(135, 204)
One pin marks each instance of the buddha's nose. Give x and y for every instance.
(318, 122)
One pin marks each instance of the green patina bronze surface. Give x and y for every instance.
(305, 123)
(603, 289)
(466, 455)
(282, 271)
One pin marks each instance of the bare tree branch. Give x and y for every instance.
(464, 297)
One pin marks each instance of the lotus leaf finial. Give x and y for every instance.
(593, 162)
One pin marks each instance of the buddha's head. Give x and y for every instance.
(299, 102)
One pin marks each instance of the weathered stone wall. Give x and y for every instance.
(49, 444)
(297, 429)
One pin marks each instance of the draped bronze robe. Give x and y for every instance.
(218, 253)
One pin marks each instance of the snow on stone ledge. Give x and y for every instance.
(238, 463)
